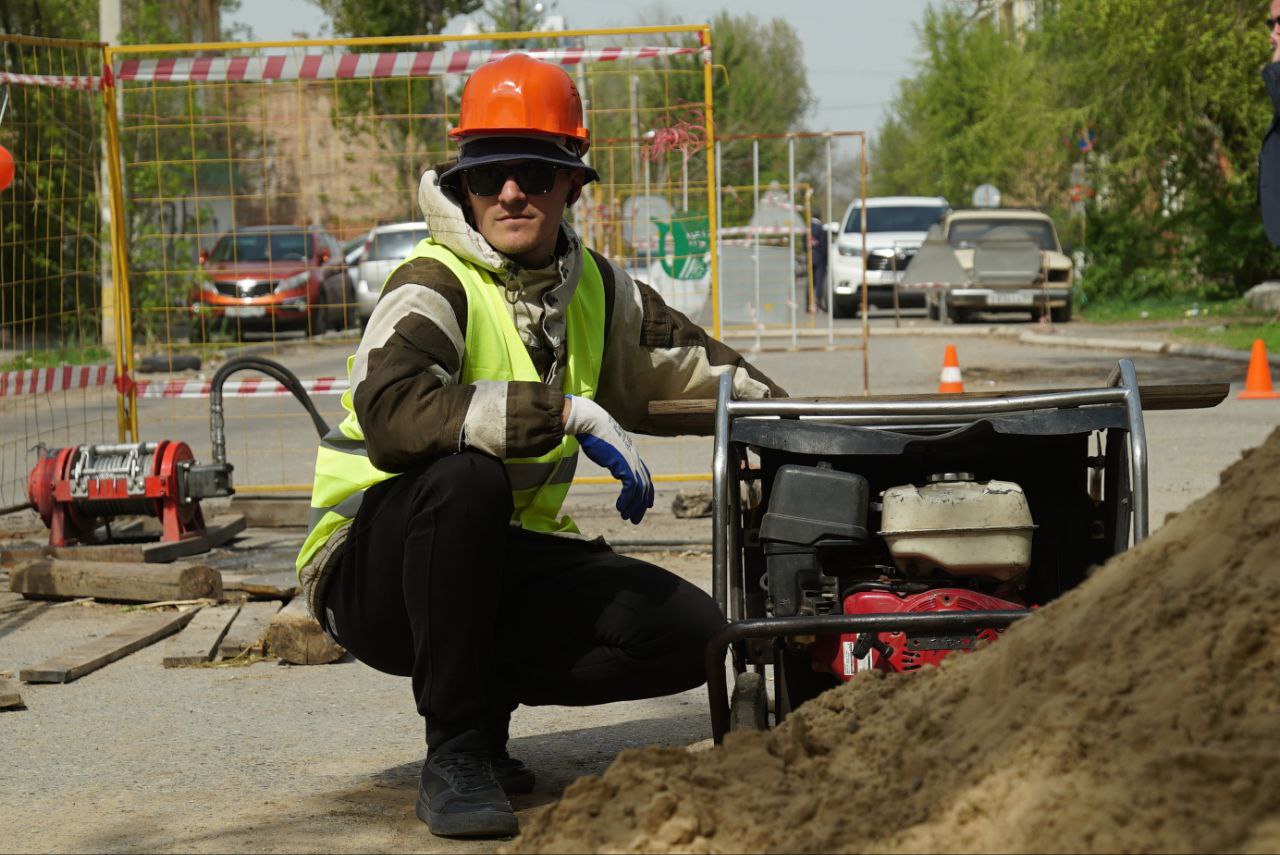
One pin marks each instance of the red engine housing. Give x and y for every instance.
(74, 488)
(905, 653)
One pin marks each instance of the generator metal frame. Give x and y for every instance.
(926, 417)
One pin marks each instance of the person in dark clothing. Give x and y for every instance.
(818, 243)
(1269, 159)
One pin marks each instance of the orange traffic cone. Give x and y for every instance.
(1257, 383)
(950, 381)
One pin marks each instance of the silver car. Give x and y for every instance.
(384, 249)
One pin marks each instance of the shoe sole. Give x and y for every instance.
(479, 823)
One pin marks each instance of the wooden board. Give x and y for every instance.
(137, 632)
(200, 641)
(247, 630)
(128, 583)
(218, 531)
(9, 696)
(281, 585)
(697, 415)
(98, 552)
(297, 638)
(283, 511)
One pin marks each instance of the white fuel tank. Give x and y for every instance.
(960, 526)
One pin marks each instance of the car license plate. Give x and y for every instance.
(1011, 298)
(246, 311)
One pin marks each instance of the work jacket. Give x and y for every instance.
(416, 391)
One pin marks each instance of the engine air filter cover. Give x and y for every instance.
(816, 506)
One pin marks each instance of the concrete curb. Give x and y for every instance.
(1173, 348)
(1043, 339)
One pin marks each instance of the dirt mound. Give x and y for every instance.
(1139, 713)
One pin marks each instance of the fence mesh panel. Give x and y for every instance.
(56, 364)
(263, 186)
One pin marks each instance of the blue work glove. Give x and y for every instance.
(608, 445)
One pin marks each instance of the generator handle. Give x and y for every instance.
(217, 423)
(1125, 376)
(720, 519)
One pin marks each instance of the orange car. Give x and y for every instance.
(271, 277)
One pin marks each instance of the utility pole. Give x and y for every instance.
(108, 32)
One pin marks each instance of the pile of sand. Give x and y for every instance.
(1141, 712)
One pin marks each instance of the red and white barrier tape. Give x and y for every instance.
(57, 81)
(55, 379)
(751, 231)
(352, 66)
(46, 380)
(252, 387)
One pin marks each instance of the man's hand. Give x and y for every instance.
(608, 445)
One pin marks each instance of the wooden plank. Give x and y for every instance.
(697, 415)
(9, 695)
(130, 583)
(137, 633)
(297, 638)
(200, 641)
(91, 552)
(248, 628)
(218, 530)
(282, 511)
(281, 585)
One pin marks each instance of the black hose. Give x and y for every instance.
(271, 368)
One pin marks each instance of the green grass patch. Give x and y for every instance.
(1239, 336)
(1164, 309)
(87, 355)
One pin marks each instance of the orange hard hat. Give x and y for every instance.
(519, 96)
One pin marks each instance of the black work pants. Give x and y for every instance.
(435, 584)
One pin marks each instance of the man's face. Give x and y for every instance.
(524, 226)
(1275, 11)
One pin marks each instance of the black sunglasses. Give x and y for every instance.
(1271, 23)
(535, 177)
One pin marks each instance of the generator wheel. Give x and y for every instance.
(749, 707)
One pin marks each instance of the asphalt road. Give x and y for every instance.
(277, 758)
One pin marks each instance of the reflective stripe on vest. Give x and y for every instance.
(493, 351)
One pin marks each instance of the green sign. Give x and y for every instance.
(685, 246)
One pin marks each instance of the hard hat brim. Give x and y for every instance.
(499, 149)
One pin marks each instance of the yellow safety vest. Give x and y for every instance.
(493, 351)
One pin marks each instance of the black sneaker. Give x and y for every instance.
(512, 775)
(458, 797)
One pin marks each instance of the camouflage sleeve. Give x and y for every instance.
(406, 385)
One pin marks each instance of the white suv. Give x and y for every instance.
(896, 226)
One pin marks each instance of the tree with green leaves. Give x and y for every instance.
(394, 17)
(512, 16)
(51, 216)
(1162, 105)
(759, 86)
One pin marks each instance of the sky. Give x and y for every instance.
(855, 51)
